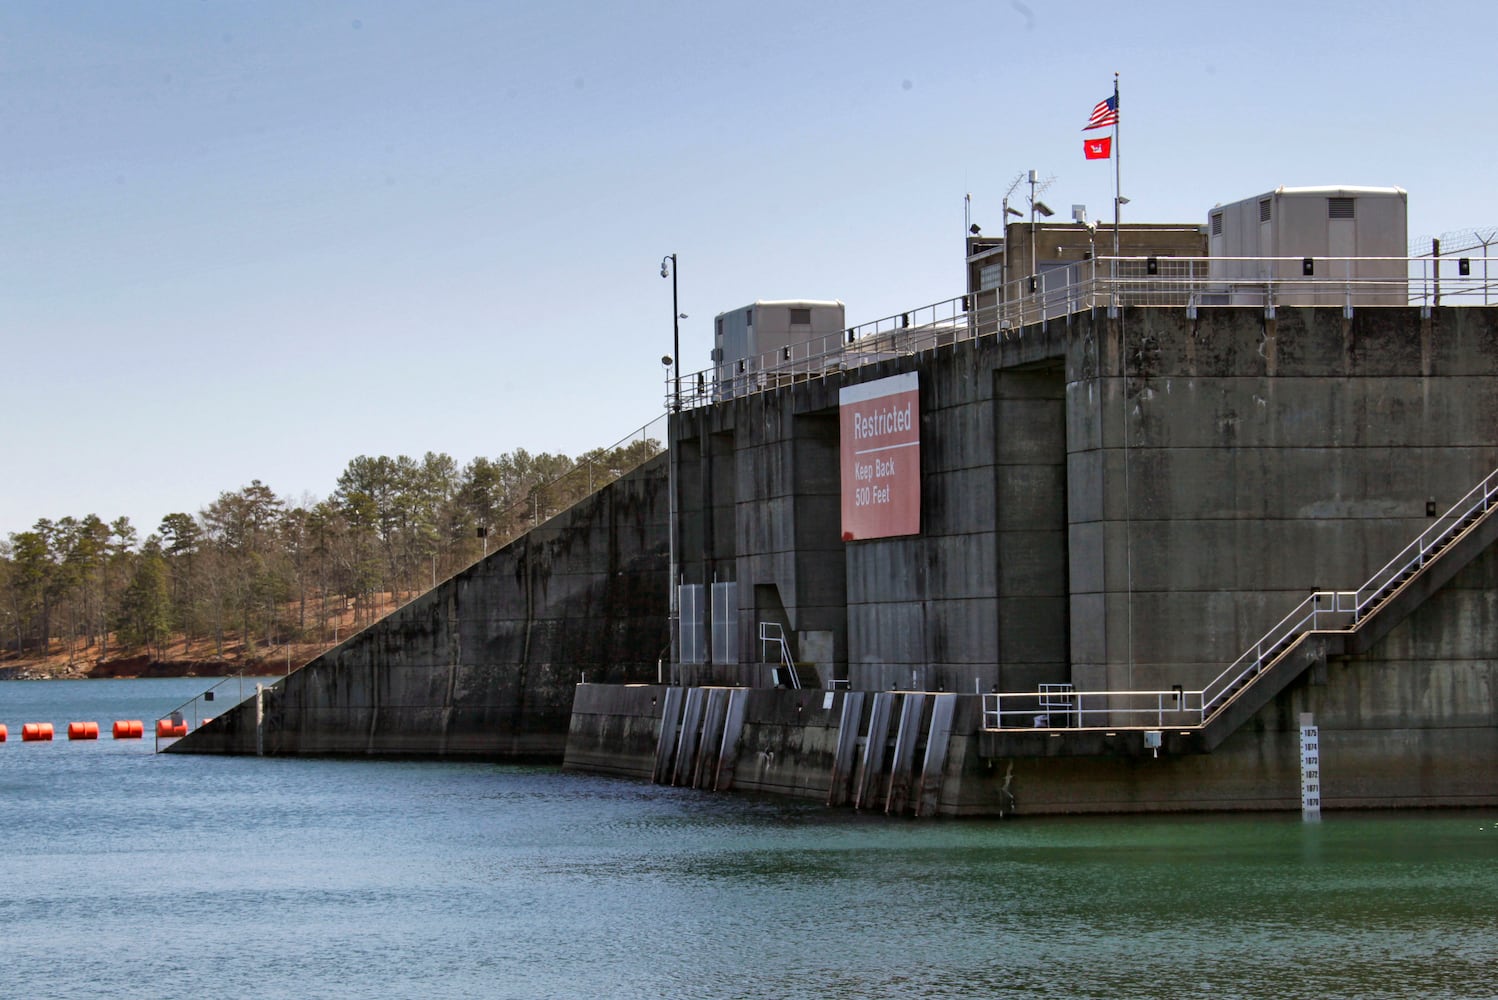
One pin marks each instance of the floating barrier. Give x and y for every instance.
(129, 729)
(35, 732)
(83, 730)
(4, 733)
(168, 728)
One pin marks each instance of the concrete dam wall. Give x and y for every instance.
(1411, 722)
(1109, 503)
(485, 664)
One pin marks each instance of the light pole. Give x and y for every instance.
(668, 270)
(672, 600)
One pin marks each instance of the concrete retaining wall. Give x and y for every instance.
(485, 665)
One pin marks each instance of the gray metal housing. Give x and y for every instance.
(1331, 226)
(764, 327)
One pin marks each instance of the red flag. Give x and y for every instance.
(1098, 149)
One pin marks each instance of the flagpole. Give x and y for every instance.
(1117, 165)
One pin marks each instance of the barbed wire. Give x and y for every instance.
(1455, 242)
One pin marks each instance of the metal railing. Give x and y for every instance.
(895, 336)
(193, 705)
(545, 500)
(772, 634)
(590, 473)
(1189, 283)
(1323, 611)
(1093, 710)
(1342, 610)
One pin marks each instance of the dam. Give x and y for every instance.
(1145, 525)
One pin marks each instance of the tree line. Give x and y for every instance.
(261, 570)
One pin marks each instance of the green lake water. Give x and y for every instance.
(125, 872)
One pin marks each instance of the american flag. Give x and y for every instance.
(1105, 114)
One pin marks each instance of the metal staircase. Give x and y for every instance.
(1327, 623)
(1350, 612)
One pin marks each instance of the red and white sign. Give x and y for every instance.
(881, 457)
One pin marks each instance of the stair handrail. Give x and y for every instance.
(1302, 618)
(778, 638)
(1440, 531)
(1307, 615)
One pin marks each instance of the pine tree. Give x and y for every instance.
(145, 616)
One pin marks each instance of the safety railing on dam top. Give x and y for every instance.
(545, 499)
(1324, 610)
(1189, 283)
(586, 476)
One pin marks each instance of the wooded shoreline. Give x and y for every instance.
(257, 582)
(131, 667)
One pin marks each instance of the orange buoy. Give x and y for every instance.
(129, 729)
(4, 733)
(33, 732)
(165, 727)
(83, 730)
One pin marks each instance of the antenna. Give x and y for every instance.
(1019, 179)
(1036, 205)
(1037, 188)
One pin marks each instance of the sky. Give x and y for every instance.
(254, 240)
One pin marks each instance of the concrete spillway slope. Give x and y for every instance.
(485, 664)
